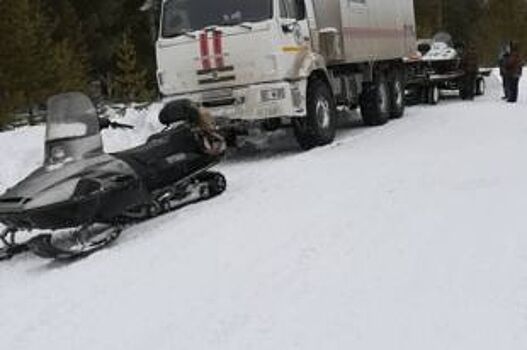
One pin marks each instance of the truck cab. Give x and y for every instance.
(237, 58)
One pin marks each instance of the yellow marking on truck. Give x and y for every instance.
(293, 49)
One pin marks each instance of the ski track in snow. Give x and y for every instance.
(409, 236)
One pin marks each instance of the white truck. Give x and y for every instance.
(287, 63)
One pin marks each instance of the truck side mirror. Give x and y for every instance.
(288, 24)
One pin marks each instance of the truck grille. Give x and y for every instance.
(219, 103)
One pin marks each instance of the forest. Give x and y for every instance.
(50, 46)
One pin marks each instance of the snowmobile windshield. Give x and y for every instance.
(72, 129)
(444, 38)
(183, 16)
(71, 116)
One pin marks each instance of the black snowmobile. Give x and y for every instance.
(85, 197)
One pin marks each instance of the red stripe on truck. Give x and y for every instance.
(365, 32)
(204, 50)
(218, 49)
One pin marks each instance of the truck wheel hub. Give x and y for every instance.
(383, 98)
(323, 113)
(399, 94)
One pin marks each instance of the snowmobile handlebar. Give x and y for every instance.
(105, 123)
(121, 126)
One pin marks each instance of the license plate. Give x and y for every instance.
(217, 94)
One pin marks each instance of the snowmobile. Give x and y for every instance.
(441, 55)
(82, 198)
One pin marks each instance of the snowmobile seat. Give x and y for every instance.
(170, 156)
(178, 111)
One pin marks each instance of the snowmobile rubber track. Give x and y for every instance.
(216, 181)
(43, 247)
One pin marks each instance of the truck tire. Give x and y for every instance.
(481, 87)
(397, 95)
(433, 95)
(375, 102)
(318, 127)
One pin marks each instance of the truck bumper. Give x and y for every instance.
(253, 102)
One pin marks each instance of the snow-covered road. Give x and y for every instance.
(410, 236)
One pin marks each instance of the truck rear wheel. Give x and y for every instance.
(375, 102)
(318, 128)
(397, 95)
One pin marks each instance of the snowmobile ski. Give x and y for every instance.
(81, 243)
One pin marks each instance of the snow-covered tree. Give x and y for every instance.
(130, 81)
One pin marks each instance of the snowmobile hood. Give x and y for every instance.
(45, 186)
(441, 49)
(440, 52)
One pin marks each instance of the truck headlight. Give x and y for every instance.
(276, 94)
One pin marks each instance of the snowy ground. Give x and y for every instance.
(410, 236)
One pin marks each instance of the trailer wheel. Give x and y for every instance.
(318, 128)
(481, 87)
(375, 102)
(397, 95)
(433, 95)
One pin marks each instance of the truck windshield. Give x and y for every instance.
(183, 16)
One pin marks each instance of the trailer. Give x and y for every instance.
(287, 63)
(426, 86)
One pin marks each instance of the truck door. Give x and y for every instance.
(294, 23)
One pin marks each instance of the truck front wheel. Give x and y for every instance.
(318, 128)
(375, 102)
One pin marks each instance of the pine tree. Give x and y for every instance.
(501, 22)
(33, 66)
(130, 82)
(104, 24)
(457, 17)
(429, 17)
(69, 68)
(26, 64)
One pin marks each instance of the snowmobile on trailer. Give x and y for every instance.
(85, 197)
(440, 68)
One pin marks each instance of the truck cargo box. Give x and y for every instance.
(365, 30)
